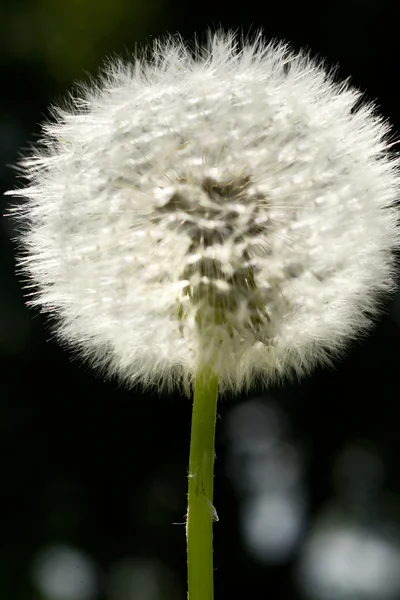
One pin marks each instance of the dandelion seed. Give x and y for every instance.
(231, 205)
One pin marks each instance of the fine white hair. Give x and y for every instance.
(230, 204)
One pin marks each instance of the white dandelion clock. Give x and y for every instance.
(243, 186)
(230, 209)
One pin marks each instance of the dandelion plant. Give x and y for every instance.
(208, 217)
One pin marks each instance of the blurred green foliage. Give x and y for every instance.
(67, 37)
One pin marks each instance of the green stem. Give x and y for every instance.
(201, 512)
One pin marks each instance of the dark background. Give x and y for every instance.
(93, 477)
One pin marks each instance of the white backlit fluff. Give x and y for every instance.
(233, 206)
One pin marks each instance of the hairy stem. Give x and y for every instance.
(201, 512)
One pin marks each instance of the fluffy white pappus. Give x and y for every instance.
(229, 204)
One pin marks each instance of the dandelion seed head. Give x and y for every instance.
(231, 205)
